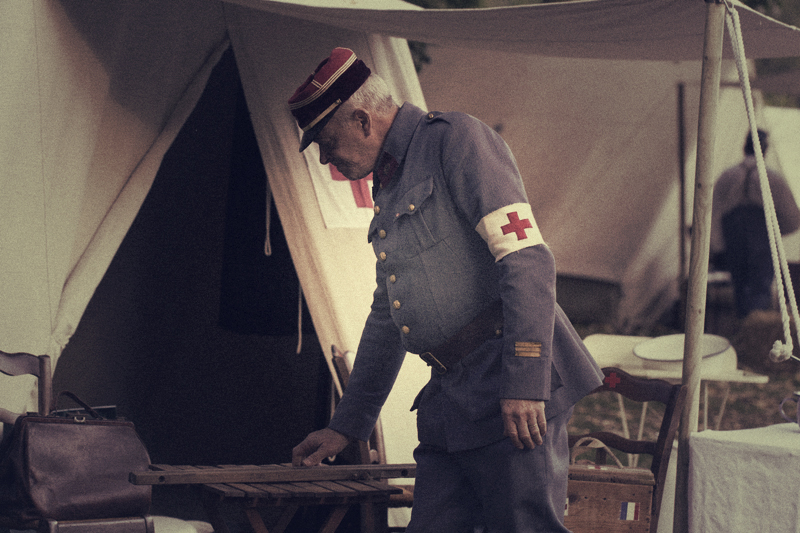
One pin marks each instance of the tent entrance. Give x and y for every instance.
(193, 330)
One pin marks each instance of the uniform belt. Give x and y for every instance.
(487, 325)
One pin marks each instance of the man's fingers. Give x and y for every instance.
(511, 432)
(537, 433)
(317, 446)
(542, 423)
(524, 422)
(315, 458)
(299, 453)
(312, 454)
(525, 434)
(518, 431)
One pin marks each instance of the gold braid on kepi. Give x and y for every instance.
(332, 83)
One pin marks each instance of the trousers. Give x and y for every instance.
(748, 258)
(495, 488)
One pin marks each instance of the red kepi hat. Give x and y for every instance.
(334, 81)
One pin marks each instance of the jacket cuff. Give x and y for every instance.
(354, 419)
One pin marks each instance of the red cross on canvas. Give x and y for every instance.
(360, 188)
(612, 380)
(515, 225)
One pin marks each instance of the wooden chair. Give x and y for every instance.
(18, 364)
(610, 498)
(373, 451)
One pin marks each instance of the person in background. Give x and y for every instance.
(465, 279)
(739, 237)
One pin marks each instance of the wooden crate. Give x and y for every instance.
(608, 499)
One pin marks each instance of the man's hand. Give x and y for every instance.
(524, 422)
(317, 446)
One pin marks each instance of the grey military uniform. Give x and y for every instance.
(453, 232)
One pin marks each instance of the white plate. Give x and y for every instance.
(670, 347)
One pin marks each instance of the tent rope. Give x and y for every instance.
(299, 319)
(781, 351)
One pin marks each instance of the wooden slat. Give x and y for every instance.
(373, 490)
(272, 492)
(297, 491)
(18, 364)
(319, 491)
(315, 489)
(251, 491)
(338, 490)
(383, 487)
(631, 476)
(172, 475)
(226, 491)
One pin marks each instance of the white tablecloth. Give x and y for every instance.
(745, 480)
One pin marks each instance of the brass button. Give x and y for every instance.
(382, 234)
(430, 115)
(411, 207)
(406, 330)
(377, 209)
(396, 304)
(392, 278)
(382, 255)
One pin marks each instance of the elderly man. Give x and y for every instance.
(465, 279)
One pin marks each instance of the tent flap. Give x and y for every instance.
(668, 30)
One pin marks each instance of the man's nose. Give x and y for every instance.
(323, 157)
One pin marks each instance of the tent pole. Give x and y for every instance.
(682, 193)
(698, 266)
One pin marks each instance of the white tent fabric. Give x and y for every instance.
(335, 265)
(783, 125)
(90, 103)
(597, 144)
(93, 93)
(669, 30)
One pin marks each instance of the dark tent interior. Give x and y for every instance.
(193, 332)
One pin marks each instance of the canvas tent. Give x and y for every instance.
(618, 218)
(94, 93)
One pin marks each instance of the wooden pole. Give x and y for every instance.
(698, 266)
(682, 195)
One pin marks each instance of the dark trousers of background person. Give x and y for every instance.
(748, 258)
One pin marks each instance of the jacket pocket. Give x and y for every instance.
(416, 210)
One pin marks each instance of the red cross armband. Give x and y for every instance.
(509, 229)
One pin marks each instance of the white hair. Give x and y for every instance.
(373, 96)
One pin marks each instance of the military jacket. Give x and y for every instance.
(452, 232)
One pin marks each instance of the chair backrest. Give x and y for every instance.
(644, 390)
(19, 364)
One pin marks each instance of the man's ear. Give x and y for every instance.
(364, 121)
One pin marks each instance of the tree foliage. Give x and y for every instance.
(786, 11)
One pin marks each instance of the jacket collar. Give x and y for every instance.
(395, 146)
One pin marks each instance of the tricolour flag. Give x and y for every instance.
(629, 511)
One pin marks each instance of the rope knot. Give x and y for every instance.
(780, 352)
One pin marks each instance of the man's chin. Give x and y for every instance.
(352, 176)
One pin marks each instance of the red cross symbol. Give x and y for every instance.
(612, 380)
(360, 188)
(515, 225)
